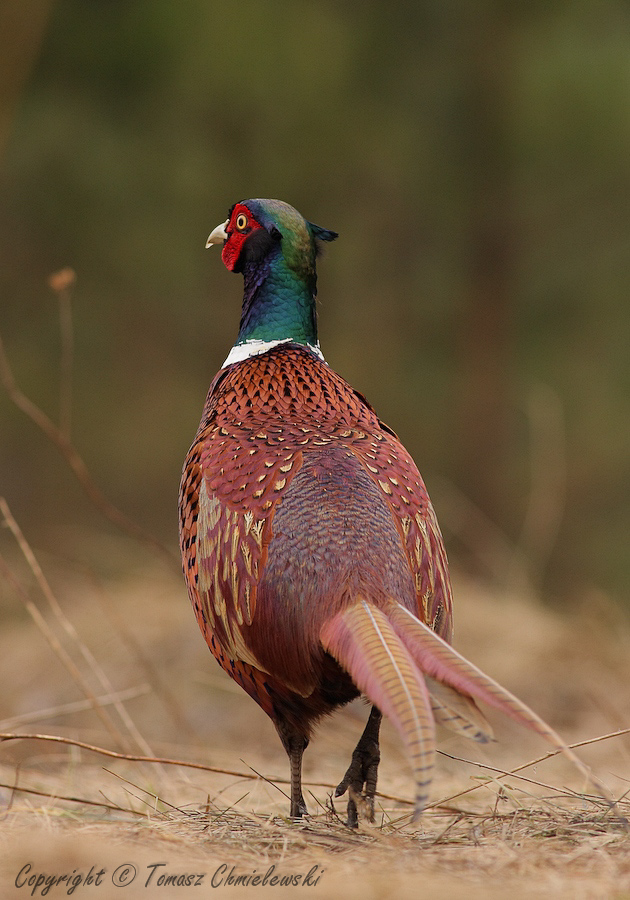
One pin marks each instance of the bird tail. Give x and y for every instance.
(416, 678)
(363, 641)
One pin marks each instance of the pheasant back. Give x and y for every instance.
(295, 499)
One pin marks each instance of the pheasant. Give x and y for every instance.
(311, 551)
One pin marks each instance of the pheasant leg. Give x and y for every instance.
(295, 744)
(360, 779)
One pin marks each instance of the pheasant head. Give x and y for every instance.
(274, 248)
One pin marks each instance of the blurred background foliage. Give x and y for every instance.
(475, 158)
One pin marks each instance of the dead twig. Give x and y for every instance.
(132, 757)
(61, 283)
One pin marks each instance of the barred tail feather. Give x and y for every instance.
(458, 712)
(438, 660)
(362, 640)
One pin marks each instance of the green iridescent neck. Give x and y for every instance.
(276, 306)
(280, 291)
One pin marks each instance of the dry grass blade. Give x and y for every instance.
(71, 631)
(74, 460)
(155, 797)
(66, 709)
(62, 282)
(532, 762)
(14, 788)
(512, 774)
(266, 780)
(60, 651)
(158, 684)
(55, 796)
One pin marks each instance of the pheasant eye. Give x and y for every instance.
(241, 222)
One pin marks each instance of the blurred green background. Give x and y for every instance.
(475, 159)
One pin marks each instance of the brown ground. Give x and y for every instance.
(521, 840)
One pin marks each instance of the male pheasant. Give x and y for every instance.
(311, 551)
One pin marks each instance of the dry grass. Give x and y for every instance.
(508, 837)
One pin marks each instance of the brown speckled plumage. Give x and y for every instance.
(294, 491)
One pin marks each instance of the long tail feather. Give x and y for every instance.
(458, 712)
(362, 640)
(440, 661)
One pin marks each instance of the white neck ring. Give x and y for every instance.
(255, 347)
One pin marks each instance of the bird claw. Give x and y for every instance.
(298, 809)
(360, 782)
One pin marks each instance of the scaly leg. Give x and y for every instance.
(363, 770)
(295, 744)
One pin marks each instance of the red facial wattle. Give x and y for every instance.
(236, 236)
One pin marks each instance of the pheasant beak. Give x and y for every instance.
(218, 235)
